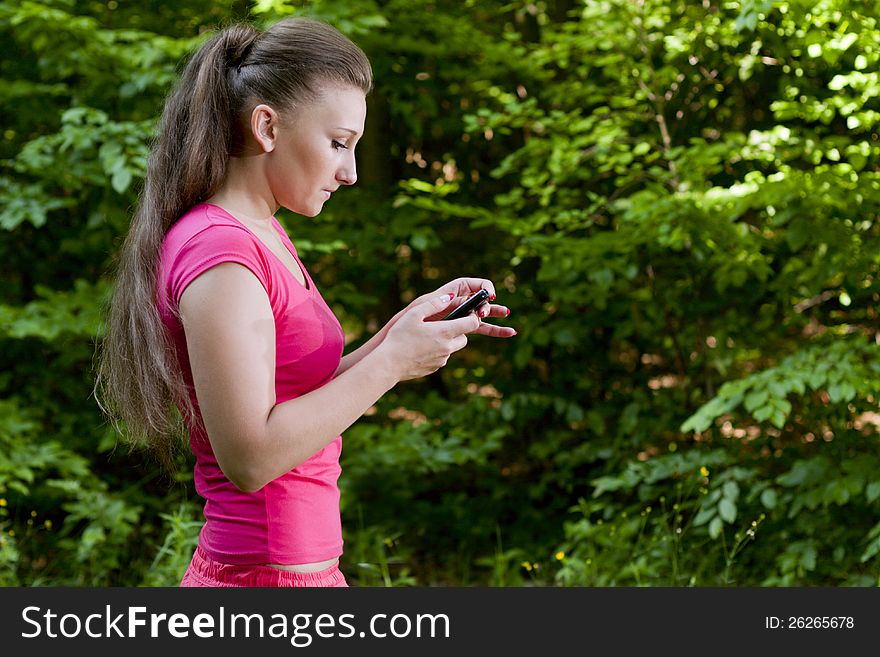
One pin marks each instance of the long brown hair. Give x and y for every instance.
(138, 380)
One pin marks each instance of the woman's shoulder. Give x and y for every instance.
(203, 237)
(196, 221)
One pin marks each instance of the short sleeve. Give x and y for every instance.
(210, 247)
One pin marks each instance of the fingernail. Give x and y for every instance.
(491, 297)
(507, 312)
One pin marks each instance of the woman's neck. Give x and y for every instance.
(245, 193)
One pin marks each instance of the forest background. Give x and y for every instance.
(677, 199)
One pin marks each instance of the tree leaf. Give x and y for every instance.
(769, 498)
(727, 510)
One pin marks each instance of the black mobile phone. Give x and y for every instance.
(471, 303)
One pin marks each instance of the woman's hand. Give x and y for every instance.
(462, 288)
(416, 347)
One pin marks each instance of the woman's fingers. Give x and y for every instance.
(466, 286)
(494, 310)
(462, 289)
(462, 325)
(453, 304)
(492, 330)
(495, 331)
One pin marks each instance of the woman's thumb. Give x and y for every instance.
(435, 305)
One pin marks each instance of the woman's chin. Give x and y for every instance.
(312, 211)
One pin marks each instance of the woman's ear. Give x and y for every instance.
(264, 127)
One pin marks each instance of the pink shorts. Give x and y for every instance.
(204, 571)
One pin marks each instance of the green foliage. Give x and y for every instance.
(678, 202)
(55, 312)
(842, 371)
(692, 204)
(62, 510)
(177, 549)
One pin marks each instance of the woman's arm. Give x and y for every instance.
(230, 336)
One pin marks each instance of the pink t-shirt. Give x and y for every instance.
(295, 518)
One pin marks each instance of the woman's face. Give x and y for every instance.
(314, 152)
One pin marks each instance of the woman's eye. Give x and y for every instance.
(337, 145)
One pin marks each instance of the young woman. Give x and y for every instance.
(215, 313)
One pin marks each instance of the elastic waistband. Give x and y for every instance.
(224, 574)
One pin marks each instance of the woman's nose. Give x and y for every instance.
(347, 175)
